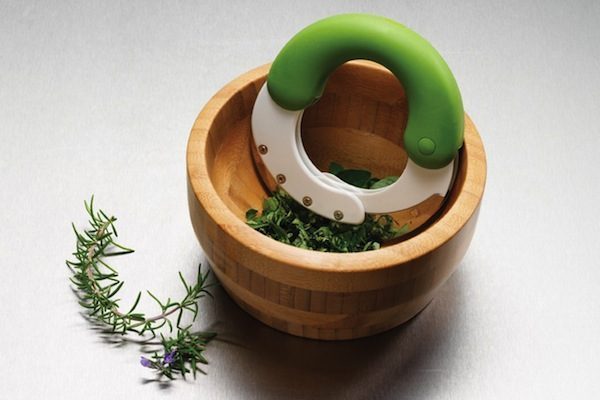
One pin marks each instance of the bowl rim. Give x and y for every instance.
(431, 238)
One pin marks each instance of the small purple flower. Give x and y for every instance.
(146, 363)
(170, 357)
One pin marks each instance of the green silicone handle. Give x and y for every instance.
(434, 130)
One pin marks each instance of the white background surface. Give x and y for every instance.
(100, 97)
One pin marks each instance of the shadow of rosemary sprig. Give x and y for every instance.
(96, 284)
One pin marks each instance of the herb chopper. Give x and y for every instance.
(296, 80)
(361, 118)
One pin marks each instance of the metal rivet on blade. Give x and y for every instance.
(338, 215)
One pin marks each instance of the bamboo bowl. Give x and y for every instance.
(313, 294)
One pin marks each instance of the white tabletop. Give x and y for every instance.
(99, 97)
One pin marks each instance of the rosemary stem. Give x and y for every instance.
(156, 317)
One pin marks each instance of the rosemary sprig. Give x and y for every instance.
(181, 355)
(96, 284)
(287, 221)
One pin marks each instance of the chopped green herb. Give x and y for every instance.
(287, 221)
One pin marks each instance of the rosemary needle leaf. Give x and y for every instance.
(155, 299)
(135, 303)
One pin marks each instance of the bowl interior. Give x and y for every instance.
(363, 107)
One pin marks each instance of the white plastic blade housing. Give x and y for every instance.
(275, 128)
(279, 130)
(415, 185)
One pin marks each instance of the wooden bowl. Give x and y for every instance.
(314, 294)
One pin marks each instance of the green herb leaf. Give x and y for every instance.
(357, 177)
(388, 180)
(335, 168)
(251, 213)
(270, 204)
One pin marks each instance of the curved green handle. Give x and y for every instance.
(434, 130)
